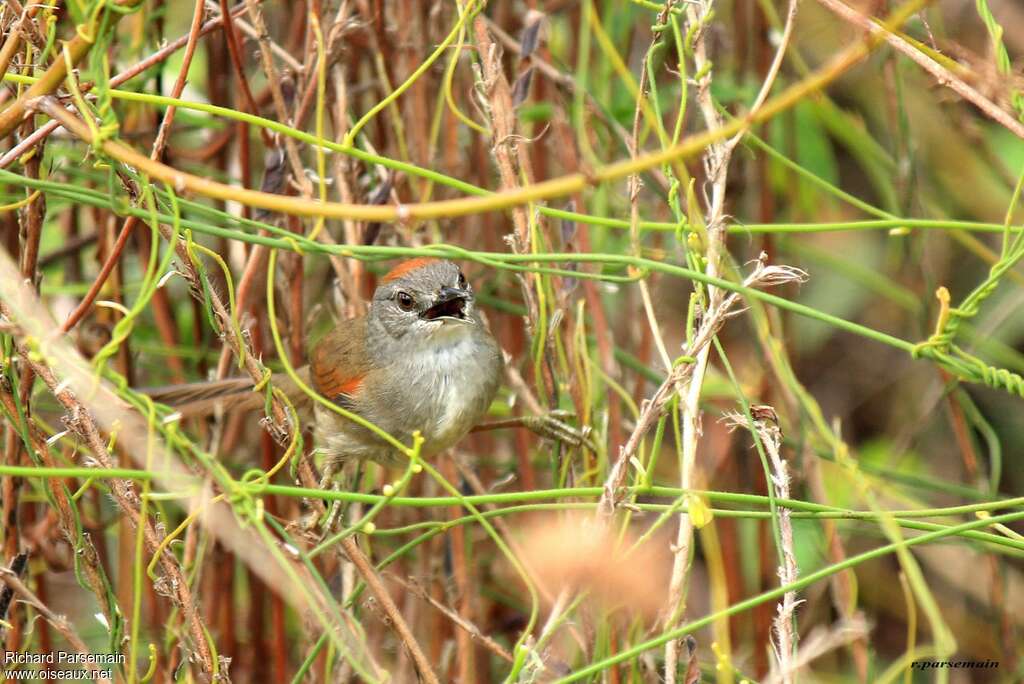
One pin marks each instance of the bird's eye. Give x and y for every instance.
(405, 301)
(462, 281)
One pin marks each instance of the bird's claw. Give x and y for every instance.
(552, 425)
(328, 482)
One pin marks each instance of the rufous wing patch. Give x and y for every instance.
(407, 267)
(336, 385)
(344, 392)
(339, 365)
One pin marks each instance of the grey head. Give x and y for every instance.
(424, 298)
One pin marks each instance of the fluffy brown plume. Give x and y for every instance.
(581, 554)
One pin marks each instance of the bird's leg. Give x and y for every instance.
(339, 477)
(550, 425)
(329, 482)
(311, 520)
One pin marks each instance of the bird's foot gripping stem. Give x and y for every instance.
(552, 425)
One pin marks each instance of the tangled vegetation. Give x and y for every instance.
(754, 265)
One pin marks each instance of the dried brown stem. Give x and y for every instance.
(460, 621)
(124, 492)
(387, 604)
(22, 306)
(11, 117)
(158, 148)
(681, 377)
(235, 51)
(248, 30)
(280, 107)
(942, 75)
(15, 32)
(766, 426)
(635, 185)
(504, 132)
(59, 622)
(77, 48)
(159, 56)
(93, 570)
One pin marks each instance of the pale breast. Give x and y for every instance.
(441, 389)
(460, 378)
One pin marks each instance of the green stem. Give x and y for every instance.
(771, 595)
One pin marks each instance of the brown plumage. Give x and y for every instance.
(340, 383)
(202, 398)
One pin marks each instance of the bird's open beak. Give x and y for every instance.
(450, 303)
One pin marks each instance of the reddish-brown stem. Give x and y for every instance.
(163, 312)
(235, 51)
(157, 57)
(599, 322)
(113, 257)
(398, 624)
(463, 586)
(13, 42)
(32, 218)
(77, 48)
(158, 146)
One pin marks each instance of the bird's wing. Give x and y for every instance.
(339, 363)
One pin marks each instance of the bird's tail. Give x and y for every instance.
(202, 398)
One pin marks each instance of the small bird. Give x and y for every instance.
(421, 359)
